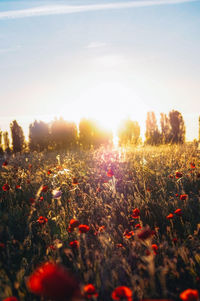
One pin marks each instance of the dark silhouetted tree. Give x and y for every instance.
(1, 146)
(129, 132)
(152, 134)
(39, 136)
(177, 134)
(18, 140)
(6, 143)
(63, 134)
(165, 128)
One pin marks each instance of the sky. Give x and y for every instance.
(106, 60)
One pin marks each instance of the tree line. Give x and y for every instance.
(61, 134)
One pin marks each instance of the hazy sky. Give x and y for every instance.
(101, 59)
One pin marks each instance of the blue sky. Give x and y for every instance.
(103, 61)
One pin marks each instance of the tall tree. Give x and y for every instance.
(177, 127)
(18, 140)
(39, 136)
(129, 132)
(63, 134)
(1, 146)
(6, 142)
(152, 133)
(165, 128)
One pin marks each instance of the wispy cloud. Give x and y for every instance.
(10, 49)
(69, 9)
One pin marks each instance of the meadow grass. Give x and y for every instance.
(111, 253)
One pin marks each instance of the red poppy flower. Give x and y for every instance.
(175, 239)
(183, 197)
(5, 187)
(171, 176)
(83, 228)
(178, 212)
(192, 165)
(145, 233)
(44, 188)
(170, 216)
(128, 234)
(89, 291)
(41, 198)
(10, 299)
(74, 181)
(5, 163)
(119, 246)
(122, 292)
(110, 173)
(49, 172)
(2, 245)
(74, 244)
(189, 295)
(54, 282)
(18, 187)
(176, 194)
(155, 248)
(42, 220)
(74, 223)
(136, 213)
(179, 174)
(138, 226)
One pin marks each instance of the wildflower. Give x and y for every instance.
(49, 172)
(44, 188)
(2, 245)
(11, 299)
(138, 226)
(170, 216)
(122, 292)
(74, 244)
(89, 291)
(178, 212)
(136, 213)
(5, 163)
(176, 194)
(56, 194)
(83, 228)
(41, 198)
(110, 173)
(119, 246)
(5, 187)
(179, 174)
(74, 223)
(183, 197)
(155, 248)
(192, 165)
(175, 239)
(74, 181)
(42, 220)
(18, 187)
(53, 281)
(171, 176)
(128, 234)
(145, 233)
(189, 295)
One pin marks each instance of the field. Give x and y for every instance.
(153, 250)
